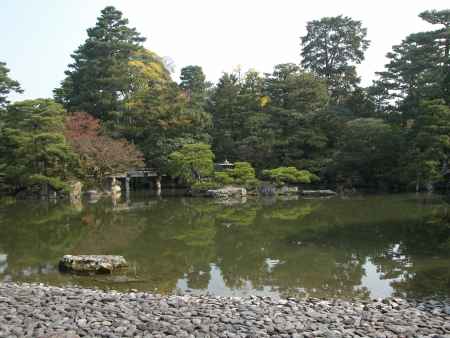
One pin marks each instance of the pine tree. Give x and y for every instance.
(33, 149)
(418, 68)
(443, 40)
(7, 85)
(194, 85)
(331, 49)
(98, 80)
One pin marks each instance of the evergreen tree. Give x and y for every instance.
(428, 154)
(414, 90)
(226, 112)
(255, 137)
(368, 154)
(292, 175)
(297, 100)
(193, 83)
(192, 162)
(33, 149)
(7, 85)
(442, 37)
(130, 90)
(331, 48)
(98, 80)
(418, 69)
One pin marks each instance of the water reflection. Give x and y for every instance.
(374, 246)
(3, 263)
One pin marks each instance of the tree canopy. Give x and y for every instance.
(192, 162)
(98, 80)
(331, 48)
(308, 120)
(33, 149)
(284, 175)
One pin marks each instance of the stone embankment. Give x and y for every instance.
(31, 310)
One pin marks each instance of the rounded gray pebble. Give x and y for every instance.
(70, 312)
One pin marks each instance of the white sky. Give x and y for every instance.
(38, 36)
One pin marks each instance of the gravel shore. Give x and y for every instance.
(32, 310)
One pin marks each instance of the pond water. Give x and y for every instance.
(366, 246)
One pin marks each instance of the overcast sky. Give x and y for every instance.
(37, 37)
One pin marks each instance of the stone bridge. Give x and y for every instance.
(126, 177)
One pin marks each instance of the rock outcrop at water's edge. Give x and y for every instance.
(227, 192)
(92, 263)
(31, 310)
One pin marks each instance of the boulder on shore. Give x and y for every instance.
(92, 263)
(227, 192)
(287, 190)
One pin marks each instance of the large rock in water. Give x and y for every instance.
(227, 192)
(92, 263)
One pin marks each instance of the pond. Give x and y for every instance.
(364, 246)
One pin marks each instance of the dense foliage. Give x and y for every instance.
(98, 80)
(241, 174)
(331, 48)
(307, 120)
(33, 149)
(192, 162)
(285, 175)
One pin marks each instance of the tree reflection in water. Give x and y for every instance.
(289, 248)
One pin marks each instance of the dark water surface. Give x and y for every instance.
(368, 246)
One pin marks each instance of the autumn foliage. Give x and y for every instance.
(100, 155)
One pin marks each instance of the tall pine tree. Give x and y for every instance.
(331, 49)
(98, 80)
(418, 68)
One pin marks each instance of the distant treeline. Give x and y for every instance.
(119, 107)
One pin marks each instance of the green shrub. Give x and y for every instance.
(205, 185)
(283, 175)
(242, 172)
(223, 178)
(252, 184)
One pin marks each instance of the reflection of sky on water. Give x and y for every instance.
(372, 280)
(3, 262)
(216, 286)
(271, 263)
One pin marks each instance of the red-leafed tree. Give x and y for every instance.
(100, 155)
(81, 125)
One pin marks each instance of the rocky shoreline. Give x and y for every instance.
(36, 310)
